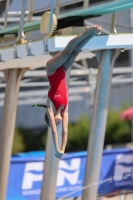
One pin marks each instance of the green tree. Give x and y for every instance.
(78, 135)
(18, 144)
(117, 130)
(28, 140)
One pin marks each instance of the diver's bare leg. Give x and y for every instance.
(69, 62)
(60, 58)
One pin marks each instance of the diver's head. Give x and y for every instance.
(46, 118)
(57, 117)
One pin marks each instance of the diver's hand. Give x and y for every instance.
(60, 154)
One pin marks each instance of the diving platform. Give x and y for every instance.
(38, 58)
(101, 42)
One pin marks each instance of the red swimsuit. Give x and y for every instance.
(58, 93)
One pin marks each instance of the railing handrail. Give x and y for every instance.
(44, 34)
(20, 26)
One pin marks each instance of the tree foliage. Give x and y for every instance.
(117, 131)
(78, 135)
(18, 144)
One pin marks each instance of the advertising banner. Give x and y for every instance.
(26, 173)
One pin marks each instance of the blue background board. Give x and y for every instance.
(26, 173)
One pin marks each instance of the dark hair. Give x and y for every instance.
(46, 119)
(45, 116)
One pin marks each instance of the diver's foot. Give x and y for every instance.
(60, 154)
(96, 29)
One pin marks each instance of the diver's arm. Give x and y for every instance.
(64, 130)
(53, 128)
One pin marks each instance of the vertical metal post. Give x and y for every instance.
(22, 16)
(86, 4)
(57, 7)
(98, 125)
(8, 125)
(51, 163)
(131, 63)
(51, 15)
(30, 14)
(6, 15)
(113, 22)
(50, 167)
(112, 27)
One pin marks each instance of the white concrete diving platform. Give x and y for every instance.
(38, 57)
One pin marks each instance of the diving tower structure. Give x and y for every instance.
(16, 60)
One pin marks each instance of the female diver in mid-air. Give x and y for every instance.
(57, 101)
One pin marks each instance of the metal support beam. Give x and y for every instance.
(98, 124)
(51, 162)
(13, 77)
(50, 167)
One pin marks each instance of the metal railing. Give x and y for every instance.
(21, 32)
(20, 26)
(44, 35)
(59, 4)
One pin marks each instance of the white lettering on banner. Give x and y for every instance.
(71, 177)
(29, 177)
(120, 169)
